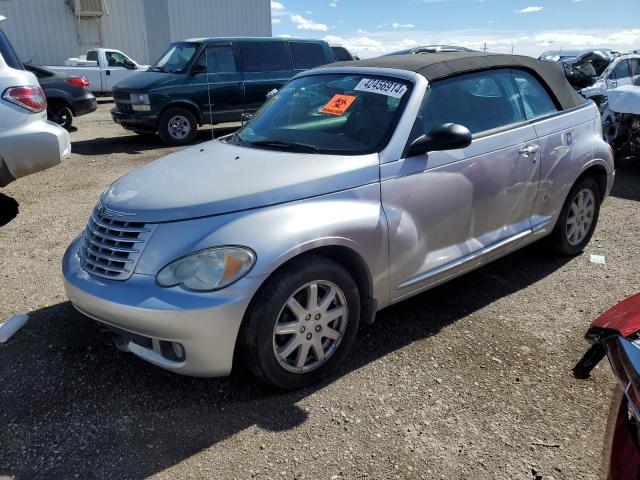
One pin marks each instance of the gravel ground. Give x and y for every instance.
(469, 380)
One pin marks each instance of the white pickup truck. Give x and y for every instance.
(103, 67)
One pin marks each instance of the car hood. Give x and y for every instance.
(216, 178)
(139, 82)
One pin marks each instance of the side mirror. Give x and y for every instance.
(129, 65)
(198, 68)
(245, 117)
(449, 136)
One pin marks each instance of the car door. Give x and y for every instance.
(218, 90)
(449, 211)
(266, 66)
(620, 75)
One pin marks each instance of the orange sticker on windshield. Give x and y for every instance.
(338, 104)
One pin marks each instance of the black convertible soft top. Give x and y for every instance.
(436, 66)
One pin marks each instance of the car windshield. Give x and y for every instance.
(340, 114)
(176, 58)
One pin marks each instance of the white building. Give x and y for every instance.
(49, 31)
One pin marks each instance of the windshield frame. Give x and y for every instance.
(198, 46)
(416, 85)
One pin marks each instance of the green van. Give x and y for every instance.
(210, 80)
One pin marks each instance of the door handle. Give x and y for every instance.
(530, 150)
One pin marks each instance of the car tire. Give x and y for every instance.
(578, 218)
(61, 115)
(274, 324)
(177, 126)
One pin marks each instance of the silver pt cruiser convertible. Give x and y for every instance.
(353, 188)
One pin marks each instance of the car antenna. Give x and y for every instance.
(206, 59)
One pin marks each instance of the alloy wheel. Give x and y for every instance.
(581, 215)
(310, 326)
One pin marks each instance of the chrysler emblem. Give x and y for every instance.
(107, 212)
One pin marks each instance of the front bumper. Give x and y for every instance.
(31, 147)
(142, 121)
(205, 325)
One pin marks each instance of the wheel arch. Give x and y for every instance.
(192, 107)
(61, 101)
(599, 173)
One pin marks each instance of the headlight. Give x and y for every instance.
(140, 102)
(208, 270)
(139, 98)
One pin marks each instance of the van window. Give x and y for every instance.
(8, 53)
(479, 101)
(306, 55)
(621, 71)
(265, 56)
(341, 54)
(635, 66)
(535, 98)
(92, 56)
(218, 59)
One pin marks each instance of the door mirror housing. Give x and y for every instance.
(198, 68)
(449, 136)
(129, 65)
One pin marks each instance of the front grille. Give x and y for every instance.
(112, 246)
(123, 101)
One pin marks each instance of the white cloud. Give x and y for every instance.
(302, 23)
(333, 4)
(402, 25)
(276, 6)
(530, 10)
(276, 21)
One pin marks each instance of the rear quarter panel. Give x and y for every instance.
(571, 142)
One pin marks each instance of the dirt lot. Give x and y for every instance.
(461, 382)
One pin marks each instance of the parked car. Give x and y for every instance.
(430, 49)
(28, 142)
(357, 186)
(67, 96)
(103, 67)
(341, 54)
(616, 334)
(208, 81)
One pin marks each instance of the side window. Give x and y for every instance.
(341, 54)
(306, 55)
(92, 56)
(620, 71)
(265, 56)
(115, 59)
(635, 66)
(535, 98)
(218, 59)
(479, 101)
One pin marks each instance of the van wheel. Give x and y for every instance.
(60, 114)
(177, 126)
(302, 324)
(578, 218)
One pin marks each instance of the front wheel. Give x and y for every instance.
(177, 126)
(578, 218)
(302, 323)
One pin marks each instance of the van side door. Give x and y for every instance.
(266, 66)
(218, 89)
(450, 211)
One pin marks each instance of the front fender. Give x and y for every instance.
(353, 219)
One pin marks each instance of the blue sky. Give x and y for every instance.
(372, 27)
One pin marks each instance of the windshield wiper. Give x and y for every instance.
(281, 144)
(156, 69)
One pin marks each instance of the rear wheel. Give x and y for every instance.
(177, 126)
(60, 114)
(302, 324)
(578, 218)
